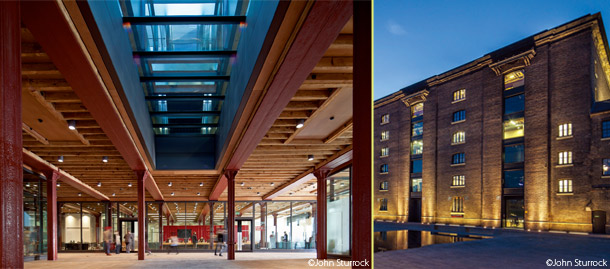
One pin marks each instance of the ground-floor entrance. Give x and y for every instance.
(513, 212)
(244, 235)
(128, 226)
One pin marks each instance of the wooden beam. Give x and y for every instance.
(310, 95)
(335, 134)
(39, 164)
(34, 134)
(335, 65)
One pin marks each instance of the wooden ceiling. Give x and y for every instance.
(49, 104)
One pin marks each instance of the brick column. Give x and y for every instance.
(11, 185)
(141, 214)
(321, 175)
(230, 175)
(52, 177)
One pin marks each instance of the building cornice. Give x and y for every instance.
(415, 98)
(513, 63)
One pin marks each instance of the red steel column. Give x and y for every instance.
(211, 225)
(230, 175)
(11, 173)
(52, 177)
(141, 214)
(321, 175)
(363, 125)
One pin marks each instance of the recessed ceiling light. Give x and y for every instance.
(310, 157)
(113, 194)
(72, 125)
(99, 184)
(129, 184)
(80, 194)
(105, 159)
(60, 159)
(300, 123)
(58, 184)
(27, 184)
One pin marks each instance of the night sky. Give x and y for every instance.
(417, 39)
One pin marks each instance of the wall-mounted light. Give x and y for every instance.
(310, 157)
(169, 184)
(60, 159)
(105, 159)
(129, 184)
(99, 184)
(201, 184)
(300, 123)
(72, 125)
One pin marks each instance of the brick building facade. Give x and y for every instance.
(517, 138)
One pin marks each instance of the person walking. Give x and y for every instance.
(117, 243)
(219, 242)
(173, 244)
(107, 240)
(128, 242)
(194, 239)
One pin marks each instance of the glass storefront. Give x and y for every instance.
(338, 206)
(34, 216)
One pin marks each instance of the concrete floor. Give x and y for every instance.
(527, 250)
(183, 260)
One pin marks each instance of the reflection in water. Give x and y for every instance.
(404, 239)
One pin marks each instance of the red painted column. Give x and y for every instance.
(362, 236)
(52, 177)
(141, 214)
(212, 225)
(11, 173)
(321, 175)
(230, 175)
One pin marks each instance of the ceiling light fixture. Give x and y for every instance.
(172, 194)
(113, 194)
(60, 159)
(72, 125)
(198, 193)
(201, 184)
(300, 123)
(80, 194)
(58, 184)
(99, 184)
(310, 157)
(169, 184)
(258, 193)
(105, 159)
(272, 184)
(129, 184)
(243, 184)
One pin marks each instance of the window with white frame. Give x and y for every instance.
(459, 180)
(565, 157)
(385, 135)
(565, 130)
(385, 152)
(385, 118)
(459, 95)
(565, 186)
(458, 137)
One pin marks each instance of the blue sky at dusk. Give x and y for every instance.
(417, 39)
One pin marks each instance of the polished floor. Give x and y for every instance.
(182, 260)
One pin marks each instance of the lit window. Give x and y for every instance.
(383, 186)
(417, 147)
(514, 79)
(606, 167)
(513, 128)
(383, 168)
(417, 110)
(459, 116)
(385, 118)
(606, 129)
(565, 186)
(417, 128)
(384, 204)
(459, 95)
(565, 130)
(458, 205)
(385, 152)
(459, 180)
(514, 104)
(458, 137)
(416, 185)
(416, 166)
(385, 135)
(565, 157)
(457, 158)
(514, 154)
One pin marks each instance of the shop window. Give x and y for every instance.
(565, 157)
(565, 186)
(383, 186)
(417, 110)
(458, 158)
(514, 79)
(459, 180)
(417, 147)
(417, 128)
(459, 116)
(458, 137)
(514, 128)
(459, 95)
(416, 185)
(565, 130)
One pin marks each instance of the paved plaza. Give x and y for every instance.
(527, 250)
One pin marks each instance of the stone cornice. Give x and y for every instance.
(512, 63)
(415, 98)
